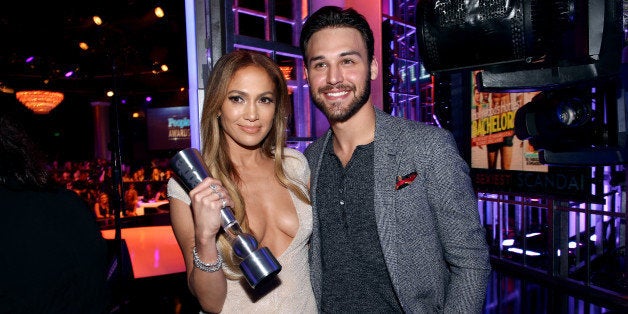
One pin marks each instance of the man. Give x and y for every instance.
(396, 225)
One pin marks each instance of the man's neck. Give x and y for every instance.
(358, 130)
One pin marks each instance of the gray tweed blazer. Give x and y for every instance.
(433, 243)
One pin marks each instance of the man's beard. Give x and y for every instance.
(336, 114)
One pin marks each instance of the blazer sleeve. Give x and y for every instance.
(451, 196)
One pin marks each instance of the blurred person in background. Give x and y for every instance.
(149, 193)
(53, 258)
(156, 174)
(162, 193)
(131, 200)
(102, 208)
(139, 174)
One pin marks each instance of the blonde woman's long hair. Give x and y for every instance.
(214, 146)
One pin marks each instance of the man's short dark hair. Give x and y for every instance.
(335, 17)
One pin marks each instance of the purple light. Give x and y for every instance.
(123, 101)
(30, 59)
(149, 99)
(69, 73)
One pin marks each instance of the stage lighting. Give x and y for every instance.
(522, 45)
(569, 50)
(570, 127)
(559, 120)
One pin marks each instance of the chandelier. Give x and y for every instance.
(39, 101)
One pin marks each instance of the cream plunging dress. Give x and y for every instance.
(293, 291)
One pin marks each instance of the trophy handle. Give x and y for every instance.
(257, 264)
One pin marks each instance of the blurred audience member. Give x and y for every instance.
(156, 174)
(138, 175)
(167, 174)
(162, 193)
(149, 193)
(131, 198)
(102, 208)
(126, 174)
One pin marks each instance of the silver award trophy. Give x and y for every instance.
(257, 264)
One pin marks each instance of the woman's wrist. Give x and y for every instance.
(205, 238)
(207, 267)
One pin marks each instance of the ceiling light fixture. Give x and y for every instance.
(39, 101)
(159, 12)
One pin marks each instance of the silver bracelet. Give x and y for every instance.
(210, 268)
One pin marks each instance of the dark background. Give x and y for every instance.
(124, 55)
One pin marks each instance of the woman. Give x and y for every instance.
(265, 184)
(102, 208)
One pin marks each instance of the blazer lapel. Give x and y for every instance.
(386, 167)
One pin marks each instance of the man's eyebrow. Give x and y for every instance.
(342, 54)
(350, 53)
(316, 59)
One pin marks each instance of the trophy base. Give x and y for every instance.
(259, 266)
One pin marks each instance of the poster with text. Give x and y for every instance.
(502, 163)
(493, 141)
(168, 128)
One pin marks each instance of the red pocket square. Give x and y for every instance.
(404, 181)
